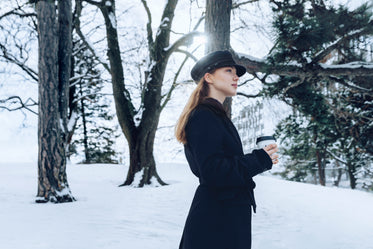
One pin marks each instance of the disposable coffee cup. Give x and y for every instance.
(263, 141)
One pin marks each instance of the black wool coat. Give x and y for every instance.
(220, 214)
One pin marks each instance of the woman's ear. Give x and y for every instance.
(208, 78)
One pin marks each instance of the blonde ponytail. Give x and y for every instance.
(197, 96)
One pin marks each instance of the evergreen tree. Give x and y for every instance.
(338, 108)
(95, 134)
(297, 149)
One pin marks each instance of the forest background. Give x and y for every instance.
(309, 61)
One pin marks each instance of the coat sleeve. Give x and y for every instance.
(205, 141)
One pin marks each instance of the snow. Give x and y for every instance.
(355, 64)
(290, 215)
(61, 125)
(165, 22)
(108, 4)
(251, 58)
(112, 20)
(72, 121)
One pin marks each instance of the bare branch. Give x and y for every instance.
(249, 95)
(336, 157)
(364, 31)
(174, 83)
(246, 81)
(297, 83)
(188, 53)
(13, 100)
(14, 12)
(149, 24)
(78, 10)
(352, 86)
(22, 65)
(199, 22)
(237, 5)
(182, 41)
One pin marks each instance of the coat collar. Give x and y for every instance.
(215, 106)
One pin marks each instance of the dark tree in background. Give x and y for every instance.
(139, 125)
(334, 109)
(217, 28)
(54, 73)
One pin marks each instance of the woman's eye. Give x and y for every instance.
(229, 70)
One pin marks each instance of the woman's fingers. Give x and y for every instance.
(271, 149)
(274, 157)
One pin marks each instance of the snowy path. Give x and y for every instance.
(290, 215)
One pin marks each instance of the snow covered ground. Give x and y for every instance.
(290, 215)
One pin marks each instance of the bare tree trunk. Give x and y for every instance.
(339, 174)
(217, 26)
(141, 137)
(139, 126)
(351, 169)
(85, 131)
(142, 162)
(64, 60)
(320, 170)
(52, 179)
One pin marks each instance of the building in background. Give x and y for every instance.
(250, 125)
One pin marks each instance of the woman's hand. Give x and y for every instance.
(271, 149)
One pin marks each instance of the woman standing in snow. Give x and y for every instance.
(220, 214)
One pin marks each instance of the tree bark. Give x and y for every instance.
(351, 169)
(142, 162)
(64, 60)
(217, 27)
(339, 174)
(140, 137)
(52, 179)
(217, 24)
(320, 168)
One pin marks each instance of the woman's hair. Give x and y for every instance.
(197, 96)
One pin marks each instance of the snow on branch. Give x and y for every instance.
(350, 65)
(93, 2)
(72, 121)
(350, 84)
(185, 39)
(112, 19)
(254, 65)
(353, 34)
(336, 157)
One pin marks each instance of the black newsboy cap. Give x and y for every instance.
(213, 61)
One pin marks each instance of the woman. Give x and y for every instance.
(220, 214)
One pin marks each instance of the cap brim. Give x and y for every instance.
(241, 70)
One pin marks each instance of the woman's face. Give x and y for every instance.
(222, 83)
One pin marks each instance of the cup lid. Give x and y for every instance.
(263, 138)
